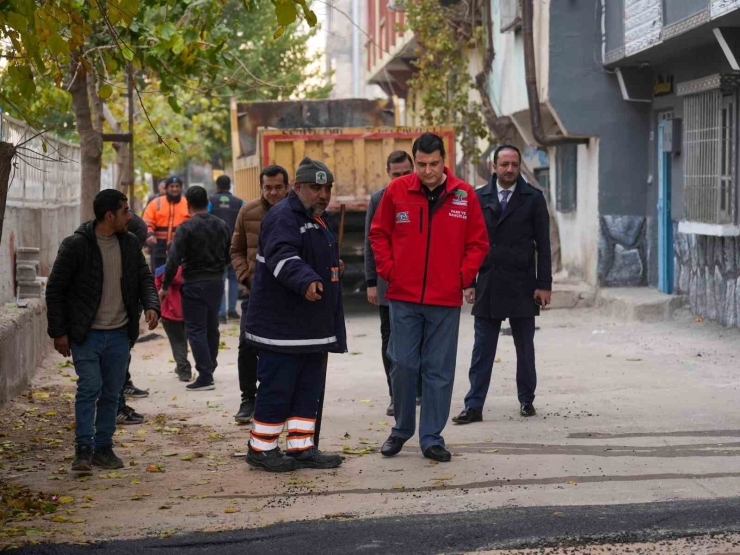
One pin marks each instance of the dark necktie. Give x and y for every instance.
(505, 200)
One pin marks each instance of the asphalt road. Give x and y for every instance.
(512, 528)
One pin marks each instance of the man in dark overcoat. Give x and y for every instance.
(513, 283)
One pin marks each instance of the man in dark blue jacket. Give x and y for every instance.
(295, 316)
(226, 206)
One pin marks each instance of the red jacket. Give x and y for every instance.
(172, 304)
(428, 260)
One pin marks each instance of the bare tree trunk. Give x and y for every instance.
(7, 152)
(91, 141)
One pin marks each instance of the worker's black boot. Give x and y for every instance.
(313, 458)
(273, 460)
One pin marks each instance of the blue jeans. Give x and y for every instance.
(230, 276)
(484, 353)
(427, 345)
(200, 311)
(100, 363)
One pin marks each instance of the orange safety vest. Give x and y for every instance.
(162, 217)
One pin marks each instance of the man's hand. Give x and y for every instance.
(542, 297)
(372, 295)
(152, 318)
(469, 295)
(61, 345)
(313, 291)
(151, 240)
(341, 267)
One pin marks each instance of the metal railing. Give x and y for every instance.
(42, 179)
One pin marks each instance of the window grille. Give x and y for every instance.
(709, 152)
(567, 178)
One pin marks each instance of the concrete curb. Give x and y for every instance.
(639, 304)
(23, 346)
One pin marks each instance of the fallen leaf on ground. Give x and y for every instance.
(135, 482)
(60, 519)
(366, 400)
(51, 413)
(399, 486)
(366, 441)
(140, 432)
(489, 451)
(497, 360)
(443, 478)
(40, 395)
(229, 510)
(170, 454)
(86, 506)
(187, 458)
(155, 468)
(65, 500)
(356, 450)
(382, 423)
(572, 483)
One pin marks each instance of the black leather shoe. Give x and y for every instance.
(438, 453)
(272, 461)
(392, 446)
(246, 412)
(527, 409)
(467, 416)
(313, 458)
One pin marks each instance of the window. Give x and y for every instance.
(511, 15)
(709, 157)
(543, 178)
(566, 158)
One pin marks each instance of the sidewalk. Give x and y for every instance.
(627, 412)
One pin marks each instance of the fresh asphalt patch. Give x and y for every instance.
(501, 528)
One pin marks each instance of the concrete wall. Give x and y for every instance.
(579, 230)
(23, 346)
(614, 24)
(706, 269)
(588, 101)
(44, 228)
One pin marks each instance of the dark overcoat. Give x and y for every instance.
(518, 260)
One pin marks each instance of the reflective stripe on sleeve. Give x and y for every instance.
(282, 263)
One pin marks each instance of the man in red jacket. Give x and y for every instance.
(429, 239)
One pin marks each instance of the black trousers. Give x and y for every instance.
(247, 360)
(200, 303)
(484, 353)
(177, 333)
(385, 337)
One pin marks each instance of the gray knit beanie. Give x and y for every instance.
(313, 171)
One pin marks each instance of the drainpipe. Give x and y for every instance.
(356, 60)
(530, 71)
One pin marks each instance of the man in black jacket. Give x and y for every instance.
(98, 281)
(202, 245)
(514, 281)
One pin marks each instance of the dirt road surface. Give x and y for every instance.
(627, 413)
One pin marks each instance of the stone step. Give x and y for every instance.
(642, 304)
(572, 295)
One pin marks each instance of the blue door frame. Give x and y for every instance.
(665, 225)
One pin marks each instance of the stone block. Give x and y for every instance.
(31, 254)
(625, 230)
(677, 276)
(29, 289)
(731, 313)
(606, 256)
(25, 272)
(682, 246)
(693, 298)
(719, 252)
(701, 292)
(730, 255)
(709, 251)
(701, 251)
(684, 283)
(692, 250)
(711, 300)
(720, 291)
(627, 269)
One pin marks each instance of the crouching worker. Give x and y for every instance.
(295, 316)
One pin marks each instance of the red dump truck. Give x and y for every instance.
(353, 137)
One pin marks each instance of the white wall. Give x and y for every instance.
(579, 230)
